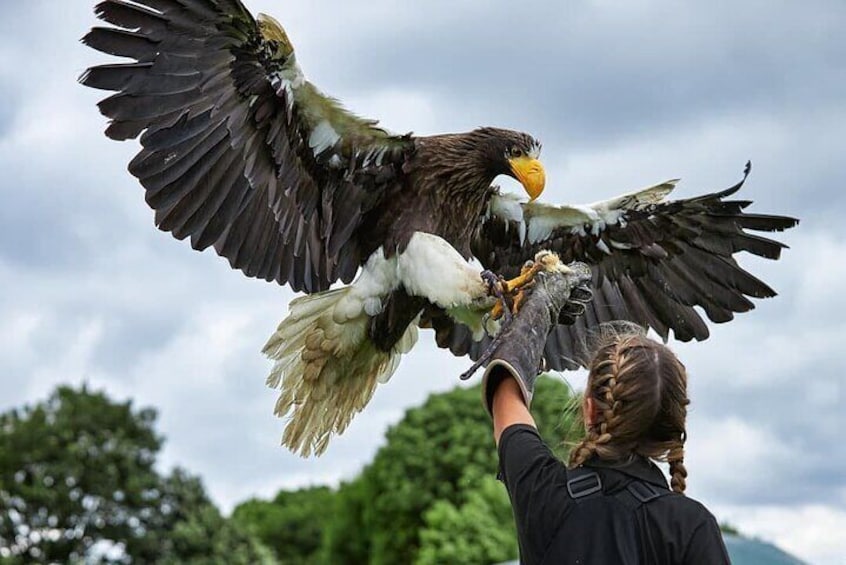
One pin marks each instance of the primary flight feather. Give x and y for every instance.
(241, 153)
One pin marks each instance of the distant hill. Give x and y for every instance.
(747, 551)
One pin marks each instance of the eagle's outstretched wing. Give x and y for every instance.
(240, 152)
(653, 261)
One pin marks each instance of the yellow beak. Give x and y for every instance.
(530, 173)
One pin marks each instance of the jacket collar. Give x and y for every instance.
(616, 474)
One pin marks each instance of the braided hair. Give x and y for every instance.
(639, 390)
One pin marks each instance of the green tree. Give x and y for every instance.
(479, 531)
(433, 456)
(192, 530)
(347, 537)
(75, 470)
(291, 524)
(77, 483)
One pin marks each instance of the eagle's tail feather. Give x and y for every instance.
(326, 367)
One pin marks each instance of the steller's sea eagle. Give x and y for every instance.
(241, 153)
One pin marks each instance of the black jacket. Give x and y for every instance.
(622, 514)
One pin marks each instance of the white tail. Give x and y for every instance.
(326, 366)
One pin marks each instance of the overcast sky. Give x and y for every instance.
(621, 94)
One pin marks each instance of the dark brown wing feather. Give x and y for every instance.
(654, 269)
(232, 152)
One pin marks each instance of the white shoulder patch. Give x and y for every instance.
(292, 73)
(508, 207)
(288, 80)
(543, 219)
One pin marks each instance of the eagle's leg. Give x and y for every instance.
(513, 290)
(526, 277)
(498, 288)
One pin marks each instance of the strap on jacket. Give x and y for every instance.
(584, 482)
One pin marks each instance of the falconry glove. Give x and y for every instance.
(519, 351)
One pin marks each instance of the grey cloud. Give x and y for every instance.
(583, 76)
(603, 72)
(8, 104)
(779, 369)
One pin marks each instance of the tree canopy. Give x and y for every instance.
(78, 483)
(429, 495)
(437, 462)
(291, 524)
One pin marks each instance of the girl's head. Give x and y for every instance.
(635, 403)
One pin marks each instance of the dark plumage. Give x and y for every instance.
(242, 154)
(669, 257)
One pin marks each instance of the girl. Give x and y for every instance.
(612, 505)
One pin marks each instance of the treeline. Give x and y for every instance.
(429, 496)
(78, 484)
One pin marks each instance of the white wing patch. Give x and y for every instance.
(323, 137)
(537, 220)
(543, 219)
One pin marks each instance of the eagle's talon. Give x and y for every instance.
(527, 275)
(510, 293)
(497, 287)
(493, 281)
(497, 310)
(506, 310)
(518, 300)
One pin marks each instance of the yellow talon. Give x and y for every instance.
(518, 301)
(513, 290)
(497, 311)
(527, 274)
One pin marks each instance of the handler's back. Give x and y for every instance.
(601, 512)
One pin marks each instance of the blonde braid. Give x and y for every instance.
(604, 378)
(639, 391)
(582, 451)
(678, 472)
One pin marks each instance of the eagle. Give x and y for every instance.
(384, 233)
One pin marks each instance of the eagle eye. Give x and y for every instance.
(515, 152)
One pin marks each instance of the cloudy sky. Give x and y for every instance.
(621, 94)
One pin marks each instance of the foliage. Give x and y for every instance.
(194, 531)
(291, 524)
(77, 483)
(439, 454)
(479, 531)
(75, 470)
(729, 529)
(346, 538)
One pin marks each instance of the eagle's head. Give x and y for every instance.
(515, 154)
